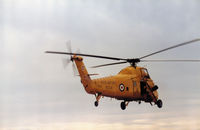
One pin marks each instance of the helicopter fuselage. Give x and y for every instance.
(124, 86)
(130, 84)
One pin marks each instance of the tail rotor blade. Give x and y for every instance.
(69, 48)
(74, 69)
(65, 62)
(78, 51)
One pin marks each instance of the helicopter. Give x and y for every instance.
(132, 83)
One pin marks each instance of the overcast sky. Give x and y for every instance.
(36, 92)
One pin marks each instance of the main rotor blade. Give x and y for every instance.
(87, 55)
(178, 45)
(116, 63)
(170, 60)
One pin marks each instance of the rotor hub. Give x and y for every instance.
(133, 61)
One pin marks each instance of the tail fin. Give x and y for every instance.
(85, 78)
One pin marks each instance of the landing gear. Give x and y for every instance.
(159, 103)
(96, 103)
(124, 104)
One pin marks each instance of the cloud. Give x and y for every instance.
(37, 93)
(178, 123)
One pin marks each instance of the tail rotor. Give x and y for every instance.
(66, 61)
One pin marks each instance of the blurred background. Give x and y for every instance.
(36, 92)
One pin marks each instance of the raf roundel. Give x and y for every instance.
(121, 87)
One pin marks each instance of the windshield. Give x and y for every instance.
(145, 73)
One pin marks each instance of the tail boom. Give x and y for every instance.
(83, 73)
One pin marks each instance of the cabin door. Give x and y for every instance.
(142, 87)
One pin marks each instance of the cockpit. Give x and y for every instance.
(144, 73)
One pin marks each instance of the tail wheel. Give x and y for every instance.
(159, 103)
(123, 105)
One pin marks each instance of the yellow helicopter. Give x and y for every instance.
(132, 83)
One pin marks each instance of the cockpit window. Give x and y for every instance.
(145, 73)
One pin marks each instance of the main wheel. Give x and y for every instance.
(159, 103)
(96, 104)
(123, 105)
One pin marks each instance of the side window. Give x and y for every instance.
(134, 83)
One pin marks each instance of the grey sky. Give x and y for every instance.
(37, 93)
